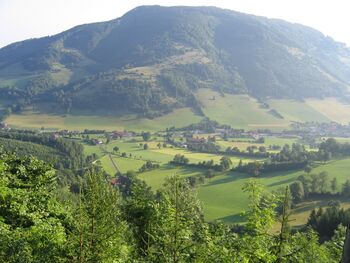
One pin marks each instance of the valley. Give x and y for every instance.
(176, 134)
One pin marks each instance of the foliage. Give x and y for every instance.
(33, 224)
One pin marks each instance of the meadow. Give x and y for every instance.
(243, 143)
(297, 111)
(239, 111)
(30, 119)
(223, 199)
(222, 196)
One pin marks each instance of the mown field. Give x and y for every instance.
(297, 111)
(239, 111)
(35, 120)
(223, 198)
(136, 156)
(243, 143)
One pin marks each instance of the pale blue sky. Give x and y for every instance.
(22, 19)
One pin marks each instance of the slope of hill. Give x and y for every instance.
(154, 59)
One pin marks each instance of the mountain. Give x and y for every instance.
(154, 59)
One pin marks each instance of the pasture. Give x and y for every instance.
(30, 119)
(298, 111)
(223, 199)
(239, 111)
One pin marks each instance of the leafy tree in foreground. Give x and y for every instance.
(32, 222)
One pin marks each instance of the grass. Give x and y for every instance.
(336, 168)
(239, 111)
(107, 165)
(36, 120)
(243, 144)
(223, 199)
(156, 178)
(332, 108)
(222, 196)
(302, 211)
(298, 111)
(128, 164)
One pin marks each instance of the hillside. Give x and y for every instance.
(154, 59)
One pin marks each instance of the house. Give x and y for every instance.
(121, 134)
(96, 142)
(3, 125)
(196, 140)
(55, 136)
(114, 181)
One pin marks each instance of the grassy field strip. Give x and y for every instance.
(156, 178)
(240, 111)
(297, 111)
(332, 108)
(223, 198)
(36, 120)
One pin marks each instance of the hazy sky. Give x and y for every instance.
(22, 19)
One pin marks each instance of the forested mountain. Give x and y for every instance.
(153, 59)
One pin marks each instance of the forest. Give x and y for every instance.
(123, 220)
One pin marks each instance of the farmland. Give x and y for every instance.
(239, 111)
(222, 196)
(35, 120)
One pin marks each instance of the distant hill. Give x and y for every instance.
(154, 59)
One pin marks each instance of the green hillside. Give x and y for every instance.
(171, 54)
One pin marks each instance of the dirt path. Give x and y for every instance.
(103, 148)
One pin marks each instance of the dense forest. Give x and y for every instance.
(127, 222)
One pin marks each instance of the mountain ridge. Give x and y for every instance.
(153, 59)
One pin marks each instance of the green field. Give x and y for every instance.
(242, 144)
(35, 120)
(332, 108)
(297, 111)
(223, 198)
(239, 111)
(336, 168)
(156, 178)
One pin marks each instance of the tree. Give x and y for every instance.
(308, 169)
(100, 232)
(179, 224)
(334, 185)
(225, 163)
(262, 149)
(346, 188)
(115, 149)
(297, 191)
(254, 168)
(32, 224)
(145, 146)
(146, 136)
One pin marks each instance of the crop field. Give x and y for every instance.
(36, 120)
(239, 111)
